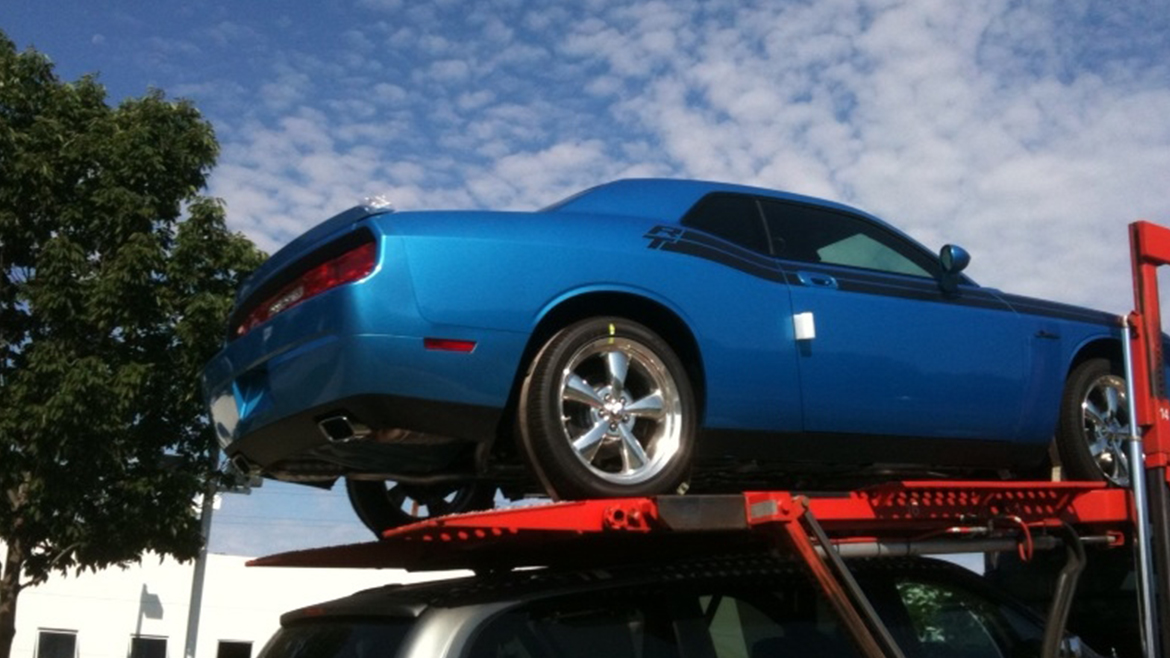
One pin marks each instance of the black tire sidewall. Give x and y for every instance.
(371, 502)
(1072, 445)
(542, 436)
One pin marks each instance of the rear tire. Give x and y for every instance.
(607, 410)
(1094, 424)
(385, 505)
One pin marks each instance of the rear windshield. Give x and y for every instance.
(338, 639)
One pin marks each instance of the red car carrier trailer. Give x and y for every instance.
(1075, 521)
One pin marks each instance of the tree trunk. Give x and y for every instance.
(9, 591)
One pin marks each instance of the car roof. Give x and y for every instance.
(742, 569)
(667, 199)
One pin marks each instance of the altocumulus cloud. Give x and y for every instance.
(1029, 132)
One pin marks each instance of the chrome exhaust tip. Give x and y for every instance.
(340, 428)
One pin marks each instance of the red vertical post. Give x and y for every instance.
(1150, 247)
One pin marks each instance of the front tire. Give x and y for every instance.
(607, 410)
(1094, 424)
(385, 505)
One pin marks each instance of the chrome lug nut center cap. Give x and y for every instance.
(613, 411)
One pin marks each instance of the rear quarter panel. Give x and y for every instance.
(504, 273)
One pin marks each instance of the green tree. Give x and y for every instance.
(115, 279)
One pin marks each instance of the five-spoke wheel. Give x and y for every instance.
(1094, 424)
(607, 410)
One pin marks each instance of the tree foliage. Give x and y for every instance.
(115, 279)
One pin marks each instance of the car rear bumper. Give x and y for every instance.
(271, 409)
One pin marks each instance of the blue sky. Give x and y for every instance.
(1031, 133)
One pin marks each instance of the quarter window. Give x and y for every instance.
(815, 235)
(733, 217)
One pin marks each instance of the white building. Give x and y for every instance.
(141, 612)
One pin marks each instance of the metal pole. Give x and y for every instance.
(1062, 597)
(200, 570)
(1137, 479)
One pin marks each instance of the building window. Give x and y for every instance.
(148, 647)
(57, 644)
(229, 649)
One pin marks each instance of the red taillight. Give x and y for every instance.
(350, 266)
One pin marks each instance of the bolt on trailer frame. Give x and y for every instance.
(891, 519)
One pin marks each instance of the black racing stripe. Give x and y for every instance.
(723, 258)
(679, 240)
(1032, 306)
(731, 248)
(925, 290)
(964, 298)
(701, 245)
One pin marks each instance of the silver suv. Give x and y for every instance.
(744, 606)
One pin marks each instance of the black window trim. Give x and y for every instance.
(922, 257)
(760, 222)
(917, 253)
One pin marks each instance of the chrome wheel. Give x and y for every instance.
(1105, 420)
(607, 410)
(620, 410)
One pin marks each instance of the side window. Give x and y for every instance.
(574, 628)
(733, 217)
(786, 622)
(951, 621)
(815, 235)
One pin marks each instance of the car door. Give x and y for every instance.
(881, 348)
(752, 378)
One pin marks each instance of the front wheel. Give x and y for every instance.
(385, 505)
(607, 410)
(1094, 424)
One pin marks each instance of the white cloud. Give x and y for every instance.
(982, 123)
(381, 5)
(231, 34)
(447, 71)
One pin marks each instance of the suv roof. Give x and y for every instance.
(756, 603)
(411, 599)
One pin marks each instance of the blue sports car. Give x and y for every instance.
(642, 337)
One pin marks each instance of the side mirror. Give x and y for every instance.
(953, 259)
